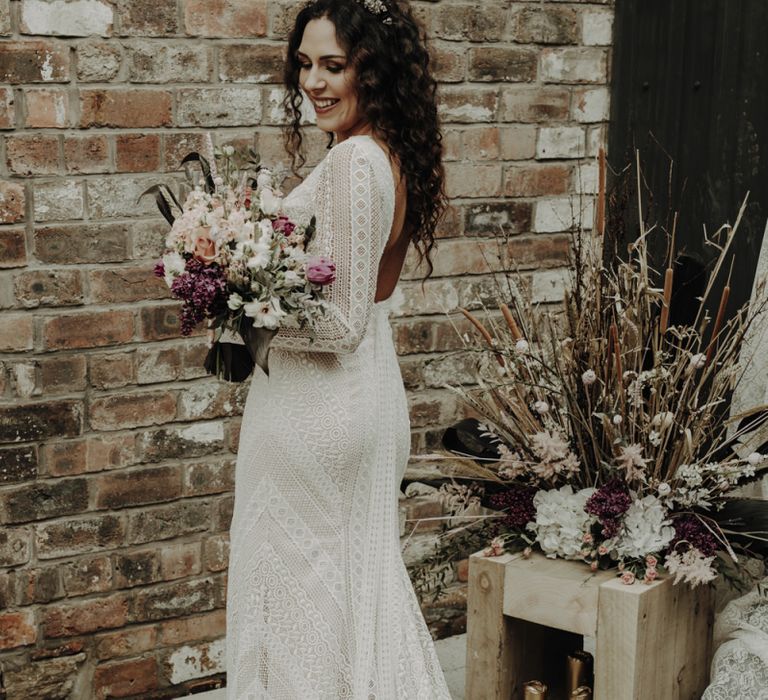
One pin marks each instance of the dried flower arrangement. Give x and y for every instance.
(602, 431)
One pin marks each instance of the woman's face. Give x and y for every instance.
(328, 81)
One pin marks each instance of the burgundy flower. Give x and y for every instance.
(608, 504)
(691, 532)
(283, 225)
(159, 269)
(517, 502)
(203, 289)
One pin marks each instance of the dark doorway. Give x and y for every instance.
(690, 87)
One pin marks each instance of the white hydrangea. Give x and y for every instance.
(646, 529)
(561, 522)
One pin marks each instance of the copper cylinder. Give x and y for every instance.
(583, 692)
(578, 671)
(534, 690)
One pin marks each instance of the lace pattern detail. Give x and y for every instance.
(319, 604)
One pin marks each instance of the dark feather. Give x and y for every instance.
(165, 199)
(204, 166)
(745, 521)
(465, 438)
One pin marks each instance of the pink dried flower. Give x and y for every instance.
(593, 565)
(628, 578)
(651, 561)
(602, 550)
(527, 552)
(587, 539)
(650, 575)
(495, 548)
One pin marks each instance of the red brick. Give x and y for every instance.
(78, 536)
(180, 560)
(502, 63)
(16, 333)
(63, 374)
(225, 18)
(65, 457)
(84, 618)
(129, 642)
(137, 153)
(132, 410)
(32, 154)
(251, 63)
(481, 143)
(136, 568)
(47, 108)
(474, 22)
(160, 322)
(168, 521)
(518, 142)
(209, 477)
(89, 575)
(86, 154)
(120, 679)
(534, 104)
(448, 65)
(88, 330)
(125, 108)
(112, 371)
(153, 485)
(473, 180)
(14, 546)
(34, 62)
(13, 249)
(121, 284)
(18, 464)
(70, 648)
(535, 180)
(43, 500)
(82, 243)
(48, 288)
(468, 105)
(217, 553)
(98, 61)
(542, 25)
(12, 205)
(147, 17)
(153, 364)
(7, 109)
(210, 625)
(38, 585)
(179, 144)
(172, 600)
(110, 451)
(17, 629)
(487, 218)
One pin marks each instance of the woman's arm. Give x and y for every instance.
(349, 231)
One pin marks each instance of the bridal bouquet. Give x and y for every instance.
(236, 260)
(602, 432)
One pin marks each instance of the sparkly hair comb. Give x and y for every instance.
(377, 7)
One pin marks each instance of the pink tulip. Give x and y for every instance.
(321, 270)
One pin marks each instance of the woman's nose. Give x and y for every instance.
(312, 81)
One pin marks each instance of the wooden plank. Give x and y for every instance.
(552, 592)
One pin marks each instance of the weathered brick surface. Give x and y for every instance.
(117, 451)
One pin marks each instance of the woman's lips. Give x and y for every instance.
(324, 110)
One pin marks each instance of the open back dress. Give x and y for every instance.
(320, 606)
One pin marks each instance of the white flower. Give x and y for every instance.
(259, 259)
(646, 529)
(268, 202)
(664, 489)
(654, 438)
(228, 150)
(697, 361)
(561, 522)
(589, 377)
(691, 566)
(218, 181)
(264, 179)
(541, 407)
(235, 301)
(292, 279)
(617, 419)
(663, 419)
(755, 458)
(265, 314)
(521, 346)
(174, 265)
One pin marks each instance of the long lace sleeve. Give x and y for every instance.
(349, 231)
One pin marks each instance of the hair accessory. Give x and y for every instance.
(376, 7)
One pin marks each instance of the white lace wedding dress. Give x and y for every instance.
(320, 606)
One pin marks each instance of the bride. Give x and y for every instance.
(320, 606)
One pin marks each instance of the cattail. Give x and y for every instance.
(600, 223)
(516, 334)
(718, 320)
(668, 278)
(483, 331)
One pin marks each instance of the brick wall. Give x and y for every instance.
(117, 452)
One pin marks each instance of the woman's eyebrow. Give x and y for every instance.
(323, 58)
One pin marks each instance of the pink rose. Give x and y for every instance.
(628, 578)
(283, 225)
(204, 248)
(321, 270)
(651, 574)
(651, 561)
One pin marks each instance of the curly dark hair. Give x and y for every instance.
(396, 93)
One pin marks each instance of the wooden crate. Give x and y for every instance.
(653, 641)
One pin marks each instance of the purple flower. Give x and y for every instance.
(518, 504)
(159, 269)
(283, 225)
(321, 270)
(691, 532)
(203, 289)
(609, 503)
